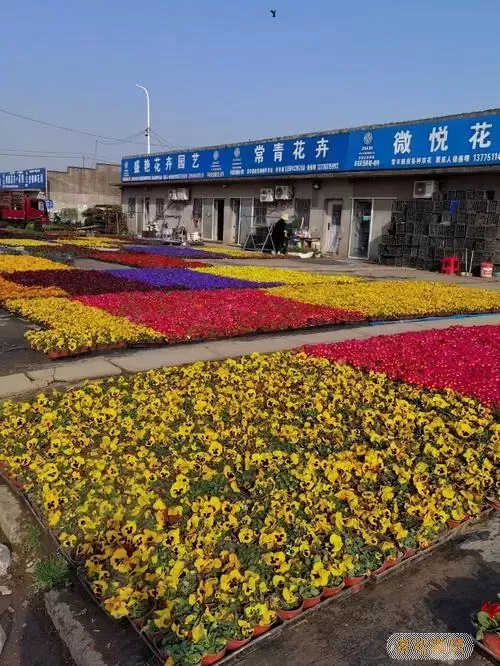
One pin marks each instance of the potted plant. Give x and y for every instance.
(309, 593)
(289, 603)
(140, 612)
(237, 632)
(458, 516)
(391, 554)
(260, 616)
(212, 648)
(409, 545)
(335, 585)
(487, 623)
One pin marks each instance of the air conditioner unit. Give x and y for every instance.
(283, 192)
(182, 194)
(267, 195)
(424, 189)
(172, 195)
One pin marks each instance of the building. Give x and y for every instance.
(68, 192)
(354, 190)
(77, 188)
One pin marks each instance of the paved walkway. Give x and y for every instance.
(73, 371)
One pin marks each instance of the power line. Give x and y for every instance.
(77, 156)
(69, 129)
(42, 152)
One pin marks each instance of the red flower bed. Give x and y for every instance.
(143, 260)
(80, 282)
(465, 359)
(211, 314)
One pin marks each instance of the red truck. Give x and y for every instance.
(19, 208)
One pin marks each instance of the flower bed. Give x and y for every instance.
(183, 278)
(15, 263)
(216, 314)
(280, 275)
(143, 260)
(83, 283)
(175, 251)
(201, 500)
(10, 290)
(396, 300)
(25, 242)
(93, 241)
(236, 253)
(76, 328)
(465, 359)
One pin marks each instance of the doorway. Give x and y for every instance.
(242, 212)
(361, 224)
(332, 228)
(236, 215)
(219, 217)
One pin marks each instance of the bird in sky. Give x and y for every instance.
(273, 12)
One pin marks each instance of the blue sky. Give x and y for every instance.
(224, 70)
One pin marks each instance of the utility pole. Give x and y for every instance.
(148, 117)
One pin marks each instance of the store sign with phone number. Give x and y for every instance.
(27, 179)
(458, 142)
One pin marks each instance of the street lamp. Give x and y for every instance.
(148, 121)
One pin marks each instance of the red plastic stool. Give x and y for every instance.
(450, 265)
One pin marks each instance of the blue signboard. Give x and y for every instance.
(442, 143)
(307, 155)
(29, 179)
(472, 141)
(49, 203)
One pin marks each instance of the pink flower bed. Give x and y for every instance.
(465, 359)
(202, 315)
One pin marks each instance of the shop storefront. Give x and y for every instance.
(338, 187)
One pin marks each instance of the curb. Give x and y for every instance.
(72, 631)
(91, 638)
(74, 372)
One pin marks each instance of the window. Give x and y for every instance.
(131, 206)
(160, 208)
(260, 212)
(303, 212)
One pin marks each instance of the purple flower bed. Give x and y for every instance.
(82, 283)
(184, 278)
(175, 251)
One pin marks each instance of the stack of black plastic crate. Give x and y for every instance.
(455, 223)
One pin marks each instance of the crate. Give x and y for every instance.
(461, 195)
(460, 230)
(482, 220)
(491, 206)
(490, 232)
